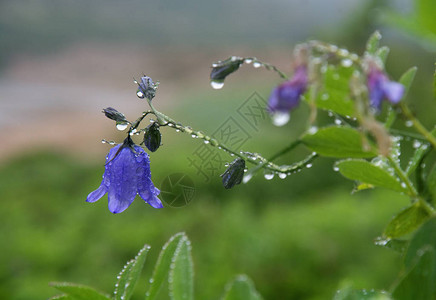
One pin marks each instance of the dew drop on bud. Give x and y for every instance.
(217, 84)
(122, 126)
(280, 118)
(269, 176)
(140, 94)
(347, 63)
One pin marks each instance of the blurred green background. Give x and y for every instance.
(61, 62)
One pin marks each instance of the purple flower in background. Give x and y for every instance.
(287, 96)
(127, 173)
(380, 87)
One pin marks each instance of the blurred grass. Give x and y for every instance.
(301, 247)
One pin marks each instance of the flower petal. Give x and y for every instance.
(155, 202)
(393, 91)
(123, 181)
(146, 188)
(97, 194)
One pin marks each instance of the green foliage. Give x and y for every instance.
(79, 292)
(129, 276)
(352, 294)
(181, 275)
(407, 221)
(334, 95)
(407, 78)
(241, 288)
(337, 142)
(366, 172)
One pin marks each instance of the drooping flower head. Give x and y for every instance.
(287, 95)
(127, 173)
(380, 88)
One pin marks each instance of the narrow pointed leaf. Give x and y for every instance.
(418, 283)
(335, 92)
(79, 292)
(373, 42)
(397, 245)
(241, 288)
(431, 183)
(181, 277)
(62, 297)
(351, 294)
(407, 78)
(339, 142)
(129, 275)
(406, 221)
(383, 53)
(162, 267)
(416, 158)
(364, 171)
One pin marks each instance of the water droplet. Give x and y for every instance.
(247, 178)
(403, 185)
(312, 130)
(282, 175)
(325, 96)
(151, 280)
(104, 142)
(177, 130)
(257, 64)
(334, 48)
(140, 94)
(217, 84)
(122, 126)
(194, 136)
(248, 60)
(269, 176)
(343, 52)
(280, 118)
(416, 144)
(335, 168)
(330, 114)
(309, 166)
(409, 123)
(338, 122)
(206, 142)
(346, 63)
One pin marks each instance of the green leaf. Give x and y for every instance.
(364, 171)
(393, 244)
(407, 78)
(241, 288)
(62, 297)
(416, 158)
(337, 142)
(350, 294)
(431, 183)
(79, 292)
(335, 93)
(372, 44)
(162, 266)
(418, 283)
(383, 53)
(424, 237)
(181, 277)
(129, 275)
(406, 221)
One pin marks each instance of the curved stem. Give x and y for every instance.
(417, 124)
(412, 191)
(267, 66)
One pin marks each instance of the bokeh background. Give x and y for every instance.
(61, 62)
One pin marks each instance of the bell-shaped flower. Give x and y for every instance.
(127, 173)
(287, 96)
(380, 88)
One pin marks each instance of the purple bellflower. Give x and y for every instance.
(287, 96)
(380, 87)
(127, 173)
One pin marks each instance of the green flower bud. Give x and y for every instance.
(114, 114)
(222, 69)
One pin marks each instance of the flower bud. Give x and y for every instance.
(234, 173)
(152, 137)
(224, 68)
(114, 114)
(146, 88)
(380, 88)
